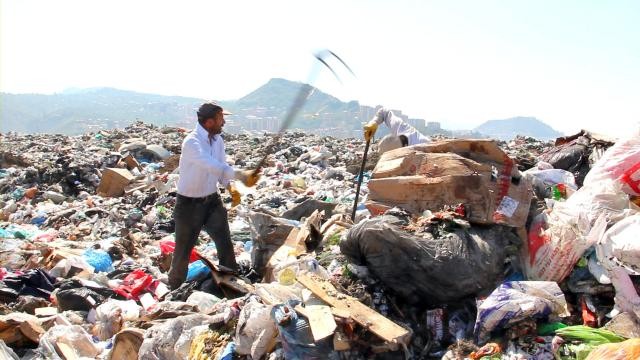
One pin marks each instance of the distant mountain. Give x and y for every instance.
(273, 100)
(507, 129)
(77, 111)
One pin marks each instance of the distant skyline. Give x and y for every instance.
(572, 64)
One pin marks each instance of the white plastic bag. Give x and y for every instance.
(255, 331)
(621, 162)
(111, 315)
(72, 335)
(183, 345)
(619, 253)
(6, 353)
(557, 241)
(160, 340)
(552, 176)
(204, 301)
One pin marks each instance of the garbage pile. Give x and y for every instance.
(460, 249)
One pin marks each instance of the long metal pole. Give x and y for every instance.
(360, 177)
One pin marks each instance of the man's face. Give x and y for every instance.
(214, 125)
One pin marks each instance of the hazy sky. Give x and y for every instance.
(572, 64)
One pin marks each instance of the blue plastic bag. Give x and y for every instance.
(248, 245)
(227, 353)
(100, 260)
(197, 271)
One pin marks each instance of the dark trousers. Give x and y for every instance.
(191, 215)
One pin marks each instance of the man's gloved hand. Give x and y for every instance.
(370, 130)
(235, 195)
(248, 177)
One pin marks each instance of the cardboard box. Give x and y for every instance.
(476, 173)
(114, 181)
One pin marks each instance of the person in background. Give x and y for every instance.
(402, 134)
(198, 205)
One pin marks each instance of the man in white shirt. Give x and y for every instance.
(402, 134)
(202, 167)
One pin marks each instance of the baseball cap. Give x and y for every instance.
(209, 109)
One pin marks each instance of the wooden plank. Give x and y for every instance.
(320, 319)
(340, 312)
(360, 313)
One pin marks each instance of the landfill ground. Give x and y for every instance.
(460, 249)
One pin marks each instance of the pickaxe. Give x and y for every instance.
(303, 94)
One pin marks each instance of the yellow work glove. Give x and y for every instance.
(370, 130)
(248, 177)
(235, 195)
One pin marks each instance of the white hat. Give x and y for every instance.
(388, 143)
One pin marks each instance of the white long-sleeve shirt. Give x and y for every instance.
(398, 127)
(202, 164)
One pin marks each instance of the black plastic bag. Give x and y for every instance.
(34, 282)
(426, 269)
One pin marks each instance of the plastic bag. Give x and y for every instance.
(111, 316)
(6, 353)
(295, 335)
(427, 268)
(33, 282)
(626, 350)
(134, 284)
(556, 241)
(619, 253)
(160, 340)
(588, 335)
(74, 336)
(255, 331)
(183, 345)
(204, 301)
(621, 162)
(100, 260)
(197, 270)
(78, 299)
(168, 247)
(278, 291)
(544, 179)
(514, 301)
